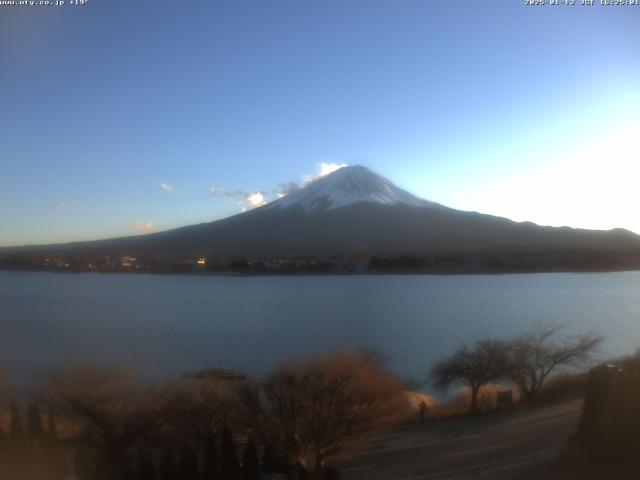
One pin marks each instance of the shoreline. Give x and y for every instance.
(366, 273)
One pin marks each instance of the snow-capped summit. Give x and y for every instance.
(347, 186)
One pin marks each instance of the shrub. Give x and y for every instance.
(313, 410)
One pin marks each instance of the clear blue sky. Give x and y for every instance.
(526, 112)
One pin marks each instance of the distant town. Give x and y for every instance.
(158, 264)
(435, 263)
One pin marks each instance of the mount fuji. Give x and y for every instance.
(348, 186)
(354, 212)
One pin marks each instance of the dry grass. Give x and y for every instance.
(559, 388)
(457, 405)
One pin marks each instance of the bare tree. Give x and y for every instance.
(201, 410)
(320, 408)
(109, 411)
(484, 362)
(537, 354)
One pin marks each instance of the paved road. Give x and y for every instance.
(497, 446)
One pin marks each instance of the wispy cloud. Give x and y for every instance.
(60, 205)
(167, 187)
(247, 199)
(238, 195)
(143, 227)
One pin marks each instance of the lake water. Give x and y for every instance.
(165, 325)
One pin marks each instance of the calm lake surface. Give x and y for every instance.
(165, 325)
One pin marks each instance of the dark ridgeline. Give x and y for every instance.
(353, 214)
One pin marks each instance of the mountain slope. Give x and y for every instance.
(353, 211)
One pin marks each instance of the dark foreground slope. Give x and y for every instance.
(360, 229)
